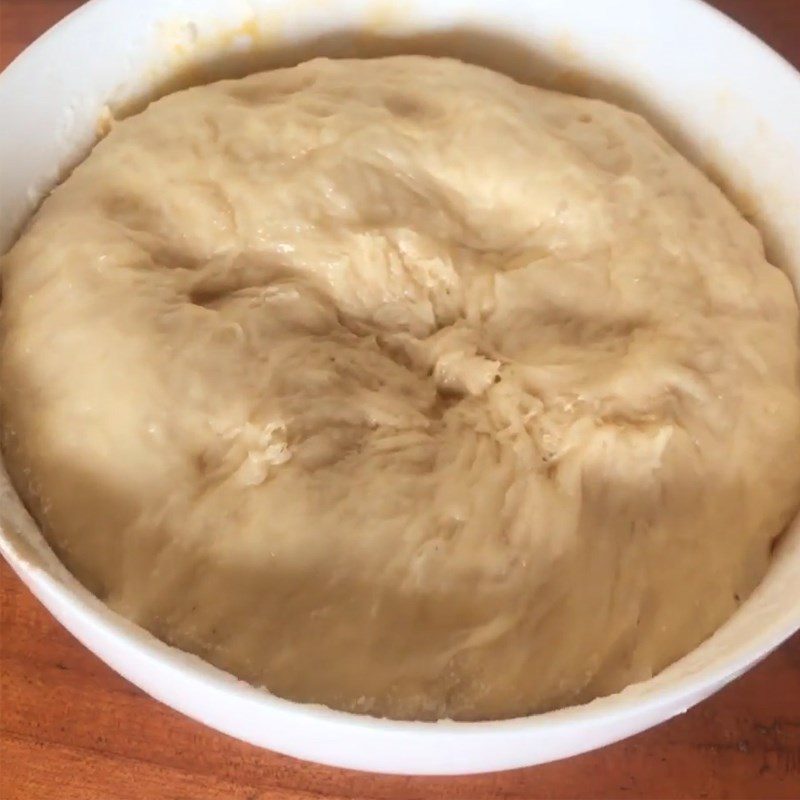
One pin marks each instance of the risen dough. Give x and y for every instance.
(401, 387)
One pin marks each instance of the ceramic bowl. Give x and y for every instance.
(730, 102)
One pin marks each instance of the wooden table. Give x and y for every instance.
(71, 729)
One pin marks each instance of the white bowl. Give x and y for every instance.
(728, 100)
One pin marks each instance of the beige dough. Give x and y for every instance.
(401, 387)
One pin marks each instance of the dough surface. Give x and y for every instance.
(397, 386)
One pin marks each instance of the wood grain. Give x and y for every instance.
(71, 729)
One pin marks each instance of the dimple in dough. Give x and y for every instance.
(398, 386)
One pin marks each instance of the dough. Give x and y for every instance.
(397, 386)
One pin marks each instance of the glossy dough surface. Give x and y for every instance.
(398, 386)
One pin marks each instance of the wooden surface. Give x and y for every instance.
(71, 729)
